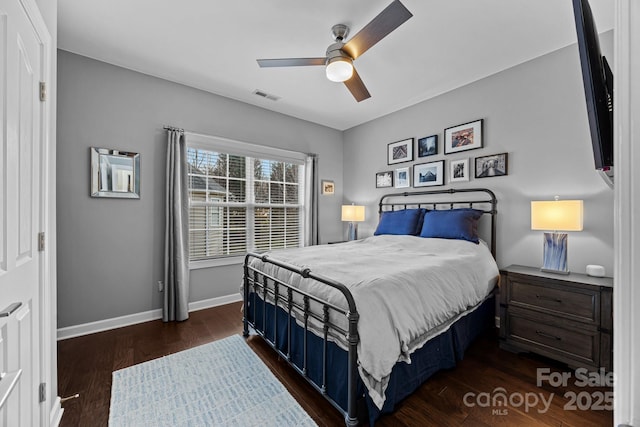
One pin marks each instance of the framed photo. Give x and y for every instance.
(463, 137)
(459, 170)
(402, 177)
(384, 179)
(494, 165)
(401, 151)
(428, 146)
(328, 187)
(428, 174)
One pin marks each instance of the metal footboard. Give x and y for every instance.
(293, 300)
(298, 302)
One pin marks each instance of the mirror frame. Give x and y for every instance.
(98, 173)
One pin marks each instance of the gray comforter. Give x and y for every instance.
(407, 290)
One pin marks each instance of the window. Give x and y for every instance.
(240, 203)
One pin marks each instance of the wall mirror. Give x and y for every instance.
(115, 173)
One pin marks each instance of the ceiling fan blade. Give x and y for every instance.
(357, 87)
(291, 62)
(388, 20)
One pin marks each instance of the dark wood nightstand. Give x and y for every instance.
(567, 318)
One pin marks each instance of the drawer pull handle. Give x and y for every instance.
(543, 297)
(544, 334)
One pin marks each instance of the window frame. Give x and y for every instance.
(252, 151)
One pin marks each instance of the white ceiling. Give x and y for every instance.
(213, 45)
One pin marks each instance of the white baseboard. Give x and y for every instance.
(107, 324)
(133, 319)
(214, 302)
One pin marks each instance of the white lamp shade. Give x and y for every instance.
(558, 215)
(352, 213)
(339, 70)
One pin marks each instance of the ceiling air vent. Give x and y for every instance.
(264, 94)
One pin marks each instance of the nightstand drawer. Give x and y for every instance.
(554, 341)
(576, 303)
(567, 318)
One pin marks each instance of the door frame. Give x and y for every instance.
(626, 296)
(50, 410)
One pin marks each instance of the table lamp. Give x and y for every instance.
(558, 215)
(353, 214)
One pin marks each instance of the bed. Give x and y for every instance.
(367, 322)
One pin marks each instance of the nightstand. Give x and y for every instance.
(566, 318)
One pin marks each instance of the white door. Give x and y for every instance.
(21, 57)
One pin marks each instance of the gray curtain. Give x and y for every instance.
(311, 200)
(176, 239)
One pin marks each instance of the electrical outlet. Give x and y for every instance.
(160, 286)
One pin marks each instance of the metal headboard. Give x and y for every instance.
(481, 199)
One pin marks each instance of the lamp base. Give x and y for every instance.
(555, 253)
(353, 231)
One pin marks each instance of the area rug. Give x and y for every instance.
(223, 383)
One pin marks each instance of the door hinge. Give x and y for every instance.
(41, 241)
(43, 91)
(42, 392)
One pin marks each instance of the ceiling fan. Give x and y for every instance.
(340, 55)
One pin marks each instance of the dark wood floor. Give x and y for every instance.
(85, 365)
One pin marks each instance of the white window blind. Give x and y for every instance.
(242, 198)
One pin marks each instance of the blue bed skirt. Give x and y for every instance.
(441, 352)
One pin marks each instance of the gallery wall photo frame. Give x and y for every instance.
(402, 177)
(400, 151)
(492, 165)
(459, 170)
(384, 179)
(327, 187)
(428, 174)
(467, 136)
(428, 146)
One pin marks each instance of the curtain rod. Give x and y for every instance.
(173, 128)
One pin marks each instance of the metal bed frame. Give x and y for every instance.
(287, 297)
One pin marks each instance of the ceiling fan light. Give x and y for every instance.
(339, 69)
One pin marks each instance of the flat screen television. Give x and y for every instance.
(598, 87)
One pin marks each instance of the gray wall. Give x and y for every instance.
(536, 113)
(110, 251)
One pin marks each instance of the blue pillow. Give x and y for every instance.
(452, 224)
(406, 221)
